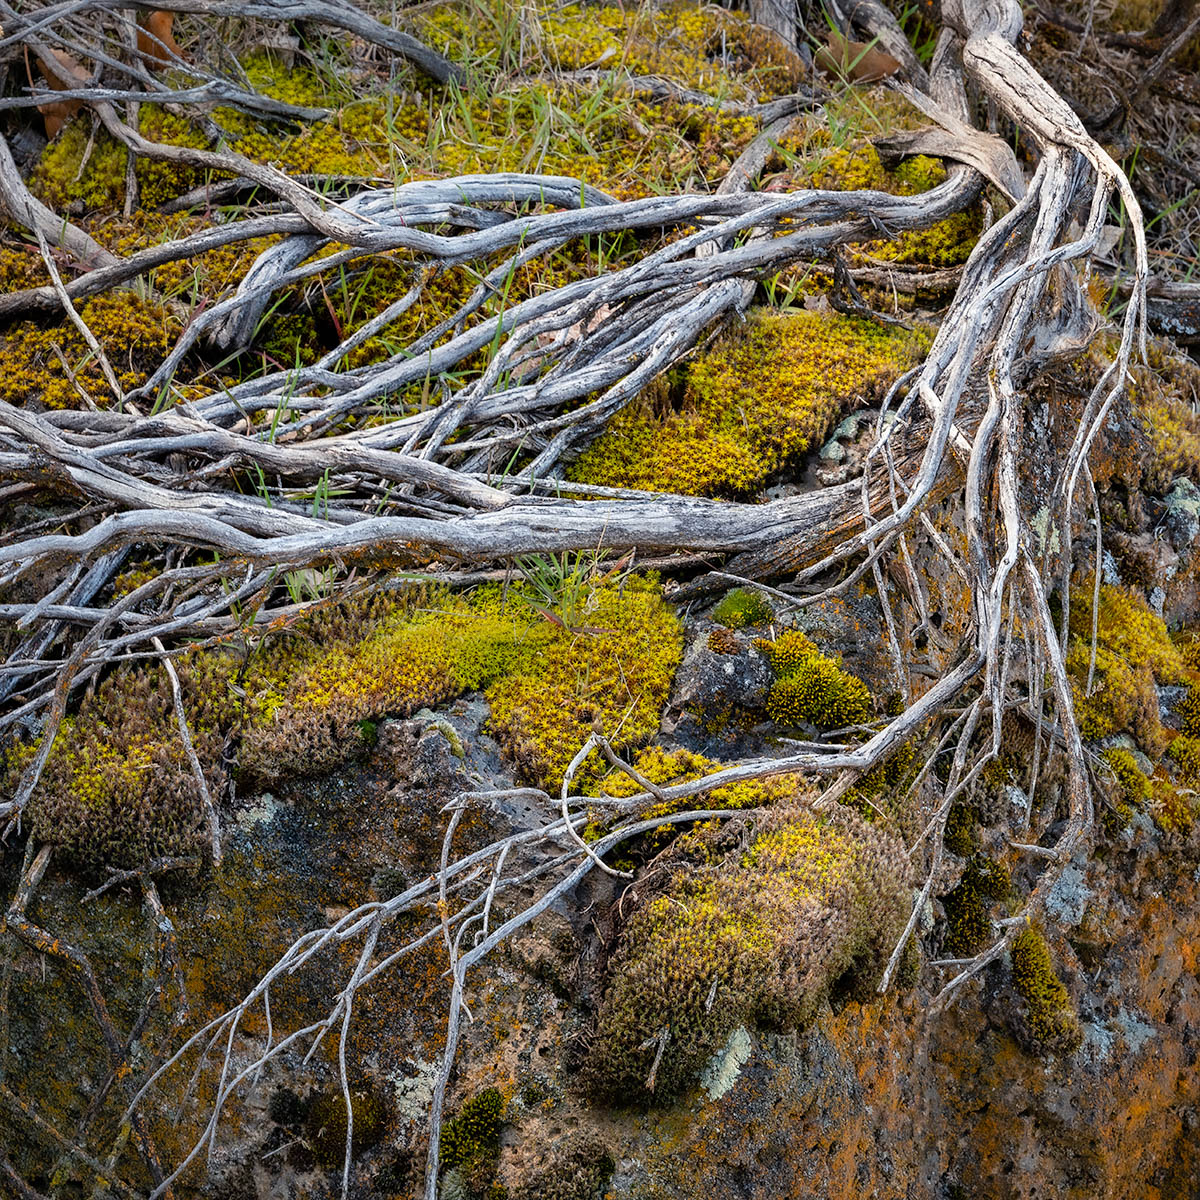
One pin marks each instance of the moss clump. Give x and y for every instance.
(706, 49)
(1161, 401)
(118, 790)
(383, 125)
(1172, 807)
(40, 360)
(578, 1171)
(1134, 654)
(1135, 787)
(968, 923)
(751, 406)
(962, 830)
(666, 767)
(880, 792)
(789, 652)
(470, 1140)
(87, 167)
(722, 641)
(811, 688)
(743, 607)
(1188, 709)
(312, 707)
(818, 692)
(945, 244)
(326, 1126)
(616, 678)
(1185, 751)
(1049, 1022)
(759, 937)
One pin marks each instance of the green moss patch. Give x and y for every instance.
(616, 678)
(968, 906)
(117, 788)
(1050, 1022)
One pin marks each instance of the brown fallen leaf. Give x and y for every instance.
(156, 40)
(65, 73)
(855, 61)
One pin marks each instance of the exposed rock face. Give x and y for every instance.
(876, 1100)
(884, 1100)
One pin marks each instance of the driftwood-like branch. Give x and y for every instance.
(336, 14)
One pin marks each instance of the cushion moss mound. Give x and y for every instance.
(760, 938)
(751, 406)
(811, 688)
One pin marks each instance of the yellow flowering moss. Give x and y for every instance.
(707, 49)
(97, 181)
(754, 404)
(946, 244)
(313, 714)
(790, 651)
(625, 145)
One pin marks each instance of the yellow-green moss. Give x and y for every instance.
(962, 830)
(1133, 790)
(1134, 654)
(881, 791)
(313, 707)
(1134, 785)
(117, 788)
(754, 404)
(1050, 1020)
(381, 127)
(667, 767)
(470, 1140)
(855, 165)
(1188, 709)
(818, 692)
(743, 607)
(616, 678)
(97, 182)
(1161, 400)
(704, 48)
(763, 937)
(40, 359)
(789, 652)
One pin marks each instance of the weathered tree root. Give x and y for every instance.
(1018, 307)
